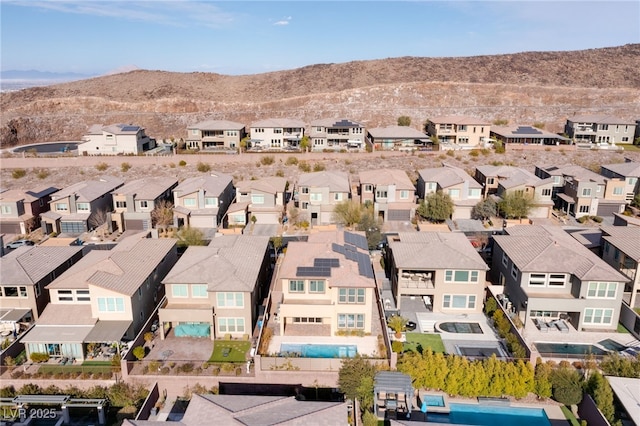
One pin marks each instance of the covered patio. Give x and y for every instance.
(393, 394)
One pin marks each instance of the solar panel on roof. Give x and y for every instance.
(326, 262)
(350, 247)
(312, 271)
(348, 238)
(337, 248)
(351, 255)
(527, 130)
(130, 128)
(357, 240)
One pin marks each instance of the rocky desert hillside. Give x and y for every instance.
(542, 87)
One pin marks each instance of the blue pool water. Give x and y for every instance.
(470, 414)
(572, 349)
(433, 400)
(308, 350)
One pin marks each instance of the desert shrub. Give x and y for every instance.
(485, 151)
(101, 167)
(154, 366)
(499, 148)
(18, 173)
(304, 166)
(215, 371)
(172, 165)
(228, 367)
(267, 160)
(596, 219)
(450, 153)
(318, 167)
(291, 161)
(203, 167)
(125, 167)
(474, 153)
(9, 361)
(165, 370)
(42, 174)
(238, 371)
(186, 368)
(182, 163)
(397, 346)
(280, 173)
(39, 357)
(139, 352)
(582, 219)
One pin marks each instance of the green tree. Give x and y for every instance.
(436, 207)
(566, 385)
(353, 374)
(485, 209)
(404, 120)
(139, 352)
(305, 143)
(543, 386)
(515, 205)
(191, 237)
(397, 324)
(636, 200)
(370, 225)
(244, 142)
(598, 387)
(348, 212)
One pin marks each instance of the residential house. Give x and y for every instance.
(629, 171)
(215, 290)
(390, 191)
(501, 180)
(135, 201)
(442, 268)
(319, 192)
(337, 134)
(26, 271)
(398, 138)
(464, 191)
(116, 139)
(215, 134)
(621, 250)
(277, 133)
(599, 129)
(202, 201)
(104, 298)
(81, 206)
(459, 132)
(581, 192)
(264, 199)
(526, 135)
(548, 275)
(20, 209)
(325, 285)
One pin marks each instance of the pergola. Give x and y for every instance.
(393, 391)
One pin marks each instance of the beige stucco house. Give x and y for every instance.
(318, 193)
(215, 290)
(276, 133)
(629, 171)
(20, 209)
(263, 198)
(621, 250)
(391, 192)
(459, 132)
(134, 201)
(215, 135)
(464, 191)
(116, 139)
(104, 298)
(202, 201)
(337, 134)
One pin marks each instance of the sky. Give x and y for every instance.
(251, 37)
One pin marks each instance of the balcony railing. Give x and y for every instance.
(416, 281)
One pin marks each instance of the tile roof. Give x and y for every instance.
(575, 171)
(387, 177)
(67, 314)
(116, 129)
(550, 249)
(212, 184)
(397, 132)
(335, 122)
(278, 122)
(89, 190)
(148, 188)
(228, 263)
(29, 264)
(335, 181)
(521, 132)
(625, 238)
(437, 250)
(447, 176)
(217, 125)
(28, 195)
(459, 119)
(627, 169)
(122, 269)
(269, 185)
(600, 119)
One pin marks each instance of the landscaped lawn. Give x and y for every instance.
(237, 350)
(635, 148)
(433, 341)
(48, 368)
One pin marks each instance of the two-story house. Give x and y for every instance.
(390, 191)
(398, 138)
(81, 206)
(319, 192)
(104, 298)
(442, 268)
(277, 133)
(548, 275)
(264, 199)
(600, 129)
(215, 134)
(581, 192)
(337, 134)
(621, 250)
(459, 132)
(20, 209)
(134, 202)
(215, 290)
(325, 285)
(202, 201)
(526, 135)
(464, 191)
(116, 139)
(629, 171)
(26, 272)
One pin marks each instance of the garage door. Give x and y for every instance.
(267, 218)
(203, 221)
(400, 215)
(608, 209)
(137, 224)
(10, 228)
(73, 227)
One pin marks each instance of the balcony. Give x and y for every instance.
(412, 281)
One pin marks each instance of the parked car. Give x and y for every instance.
(19, 243)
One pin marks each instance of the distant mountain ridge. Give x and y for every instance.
(41, 75)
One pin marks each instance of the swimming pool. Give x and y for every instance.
(471, 414)
(575, 350)
(433, 400)
(461, 327)
(309, 350)
(48, 147)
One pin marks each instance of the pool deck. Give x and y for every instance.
(366, 345)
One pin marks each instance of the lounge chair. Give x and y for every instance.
(562, 326)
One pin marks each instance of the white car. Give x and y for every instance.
(19, 243)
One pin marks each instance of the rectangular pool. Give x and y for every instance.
(433, 400)
(310, 350)
(575, 350)
(471, 414)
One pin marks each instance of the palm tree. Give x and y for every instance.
(397, 324)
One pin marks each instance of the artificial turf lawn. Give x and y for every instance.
(433, 341)
(237, 353)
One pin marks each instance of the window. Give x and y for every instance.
(537, 280)
(602, 290)
(209, 202)
(597, 316)
(315, 196)
(381, 194)
(368, 188)
(547, 280)
(257, 199)
(110, 304)
(4, 209)
(316, 286)
(459, 301)
(83, 296)
(15, 292)
(475, 193)
(505, 259)
(337, 196)
(460, 276)
(189, 202)
(230, 300)
(83, 207)
(454, 193)
(351, 321)
(296, 286)
(304, 189)
(62, 207)
(351, 295)
(194, 131)
(546, 192)
(617, 190)
(462, 127)
(625, 138)
(583, 209)
(305, 206)
(463, 140)
(616, 254)
(65, 295)
(404, 194)
(179, 290)
(231, 325)
(121, 204)
(586, 192)
(514, 272)
(304, 320)
(199, 290)
(490, 181)
(606, 246)
(144, 204)
(557, 280)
